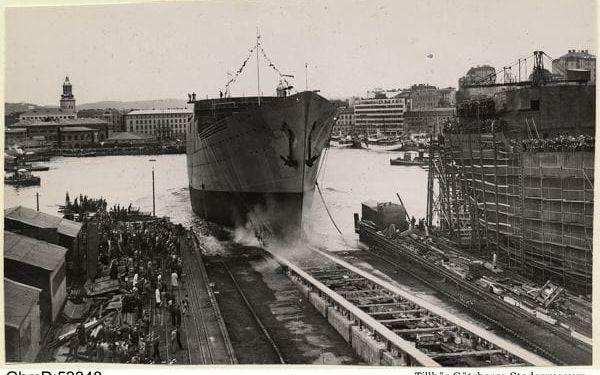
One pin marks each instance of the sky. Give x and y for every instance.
(167, 50)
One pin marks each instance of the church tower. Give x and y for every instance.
(67, 100)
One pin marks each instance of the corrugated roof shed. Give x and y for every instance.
(33, 252)
(32, 217)
(18, 301)
(69, 228)
(38, 219)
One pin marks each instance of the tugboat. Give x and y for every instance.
(408, 161)
(345, 142)
(22, 177)
(381, 143)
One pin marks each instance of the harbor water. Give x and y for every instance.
(347, 178)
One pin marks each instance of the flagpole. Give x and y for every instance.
(305, 76)
(257, 64)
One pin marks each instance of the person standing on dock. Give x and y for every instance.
(178, 336)
(185, 305)
(156, 350)
(174, 281)
(177, 313)
(157, 297)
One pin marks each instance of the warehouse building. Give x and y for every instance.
(49, 228)
(39, 264)
(22, 334)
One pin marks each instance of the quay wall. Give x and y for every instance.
(341, 324)
(359, 327)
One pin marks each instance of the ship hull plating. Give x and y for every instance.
(257, 165)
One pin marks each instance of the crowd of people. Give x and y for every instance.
(82, 205)
(560, 143)
(145, 257)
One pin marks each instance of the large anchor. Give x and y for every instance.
(289, 160)
(311, 159)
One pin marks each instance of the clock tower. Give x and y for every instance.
(67, 100)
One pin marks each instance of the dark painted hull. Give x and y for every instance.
(237, 209)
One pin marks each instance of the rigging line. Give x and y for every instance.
(239, 71)
(322, 166)
(327, 209)
(273, 65)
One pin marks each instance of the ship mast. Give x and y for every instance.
(257, 65)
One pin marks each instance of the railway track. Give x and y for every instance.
(204, 354)
(255, 316)
(528, 343)
(546, 341)
(206, 340)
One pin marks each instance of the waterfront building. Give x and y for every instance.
(478, 75)
(14, 136)
(22, 336)
(423, 96)
(429, 121)
(66, 110)
(380, 115)
(344, 122)
(127, 138)
(113, 117)
(575, 60)
(78, 136)
(163, 124)
(39, 264)
(51, 130)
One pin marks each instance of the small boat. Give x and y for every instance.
(22, 177)
(346, 142)
(38, 168)
(78, 153)
(408, 161)
(381, 143)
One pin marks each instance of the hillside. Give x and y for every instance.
(137, 104)
(10, 108)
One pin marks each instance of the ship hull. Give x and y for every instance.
(257, 167)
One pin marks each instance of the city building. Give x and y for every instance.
(344, 122)
(22, 336)
(51, 130)
(575, 60)
(78, 136)
(67, 100)
(112, 116)
(429, 121)
(478, 75)
(115, 119)
(423, 96)
(66, 110)
(163, 124)
(383, 115)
